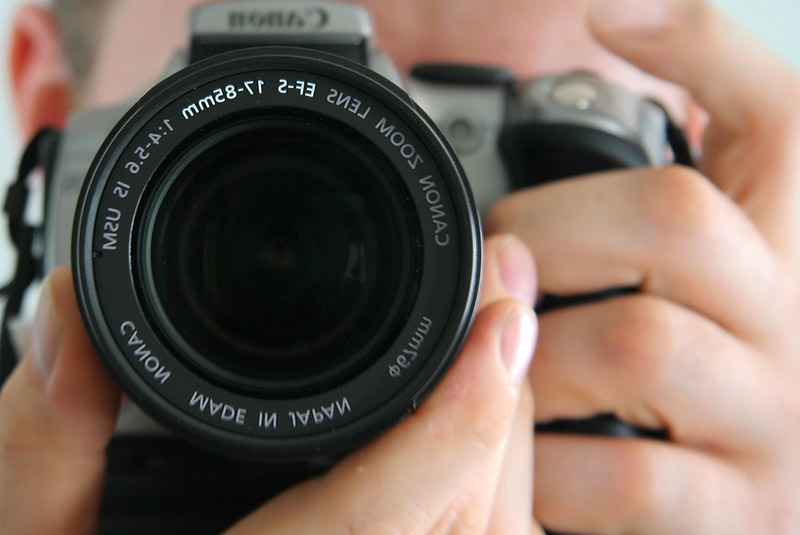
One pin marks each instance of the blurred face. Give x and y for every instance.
(530, 37)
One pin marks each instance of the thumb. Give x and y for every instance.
(749, 148)
(57, 415)
(436, 471)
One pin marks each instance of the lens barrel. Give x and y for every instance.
(276, 254)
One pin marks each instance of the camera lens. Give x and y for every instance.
(277, 253)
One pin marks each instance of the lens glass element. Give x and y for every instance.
(280, 253)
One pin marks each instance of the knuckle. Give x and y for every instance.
(681, 206)
(465, 515)
(490, 428)
(635, 490)
(482, 405)
(640, 338)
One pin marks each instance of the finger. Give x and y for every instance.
(512, 510)
(750, 93)
(658, 366)
(412, 478)
(692, 43)
(509, 271)
(665, 231)
(605, 486)
(57, 415)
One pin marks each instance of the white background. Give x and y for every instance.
(776, 21)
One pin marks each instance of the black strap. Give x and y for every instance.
(164, 486)
(39, 153)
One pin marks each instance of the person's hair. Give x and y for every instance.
(82, 23)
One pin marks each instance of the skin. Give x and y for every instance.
(707, 350)
(404, 31)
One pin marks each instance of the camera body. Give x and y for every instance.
(167, 190)
(472, 105)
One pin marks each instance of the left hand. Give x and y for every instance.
(709, 349)
(58, 410)
(459, 464)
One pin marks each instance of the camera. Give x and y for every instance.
(276, 251)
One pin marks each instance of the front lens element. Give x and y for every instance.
(280, 253)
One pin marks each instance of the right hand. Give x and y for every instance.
(708, 349)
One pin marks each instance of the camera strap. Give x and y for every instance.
(25, 237)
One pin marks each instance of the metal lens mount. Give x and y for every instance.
(276, 254)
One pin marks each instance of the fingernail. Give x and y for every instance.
(517, 344)
(517, 271)
(46, 332)
(630, 16)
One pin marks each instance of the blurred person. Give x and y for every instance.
(708, 349)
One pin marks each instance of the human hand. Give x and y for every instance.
(57, 415)
(460, 464)
(709, 349)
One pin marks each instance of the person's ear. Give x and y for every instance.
(39, 76)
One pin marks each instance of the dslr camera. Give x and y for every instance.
(277, 249)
